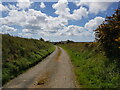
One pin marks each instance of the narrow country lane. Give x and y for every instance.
(55, 71)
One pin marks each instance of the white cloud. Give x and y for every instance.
(72, 30)
(38, 23)
(34, 21)
(3, 8)
(79, 13)
(25, 30)
(22, 18)
(95, 6)
(42, 5)
(55, 23)
(61, 8)
(94, 23)
(6, 29)
(14, 18)
(23, 4)
(100, 0)
(63, 11)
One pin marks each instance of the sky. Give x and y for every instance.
(54, 21)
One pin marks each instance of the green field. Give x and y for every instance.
(19, 54)
(92, 68)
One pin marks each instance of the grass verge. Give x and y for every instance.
(92, 68)
(19, 54)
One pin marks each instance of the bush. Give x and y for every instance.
(108, 36)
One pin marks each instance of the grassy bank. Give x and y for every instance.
(19, 54)
(92, 68)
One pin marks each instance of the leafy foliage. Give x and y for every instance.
(108, 36)
(19, 54)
